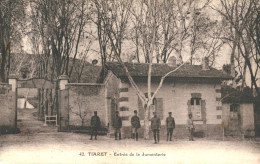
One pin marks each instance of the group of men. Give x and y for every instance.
(135, 125)
(155, 126)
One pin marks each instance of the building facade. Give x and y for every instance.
(238, 112)
(191, 89)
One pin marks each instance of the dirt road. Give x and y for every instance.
(39, 144)
(28, 123)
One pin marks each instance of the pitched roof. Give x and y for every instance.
(90, 74)
(233, 95)
(158, 70)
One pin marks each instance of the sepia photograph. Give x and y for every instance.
(129, 81)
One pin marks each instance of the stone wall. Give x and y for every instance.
(246, 112)
(7, 110)
(247, 116)
(82, 99)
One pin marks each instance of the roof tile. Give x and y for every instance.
(158, 70)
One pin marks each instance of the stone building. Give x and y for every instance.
(192, 89)
(238, 112)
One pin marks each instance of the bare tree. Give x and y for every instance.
(150, 29)
(12, 18)
(58, 28)
(82, 60)
(242, 16)
(81, 113)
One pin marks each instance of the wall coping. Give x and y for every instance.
(12, 76)
(84, 84)
(63, 77)
(240, 103)
(5, 84)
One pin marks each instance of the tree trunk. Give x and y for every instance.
(244, 77)
(9, 60)
(39, 103)
(82, 122)
(146, 122)
(3, 62)
(253, 79)
(46, 101)
(51, 102)
(42, 103)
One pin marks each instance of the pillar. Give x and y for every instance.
(124, 109)
(63, 81)
(12, 80)
(62, 102)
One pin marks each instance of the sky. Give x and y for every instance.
(224, 57)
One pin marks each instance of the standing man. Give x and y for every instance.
(170, 125)
(95, 125)
(117, 124)
(155, 126)
(135, 122)
(190, 127)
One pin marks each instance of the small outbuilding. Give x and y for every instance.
(238, 112)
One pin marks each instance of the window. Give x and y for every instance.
(234, 111)
(157, 106)
(196, 108)
(153, 107)
(140, 109)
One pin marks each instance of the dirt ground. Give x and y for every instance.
(39, 144)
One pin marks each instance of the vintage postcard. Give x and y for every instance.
(129, 81)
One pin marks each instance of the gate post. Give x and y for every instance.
(63, 80)
(12, 80)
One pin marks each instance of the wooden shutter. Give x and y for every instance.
(140, 109)
(203, 111)
(189, 106)
(159, 108)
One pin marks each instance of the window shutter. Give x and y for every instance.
(140, 109)
(189, 106)
(159, 108)
(203, 111)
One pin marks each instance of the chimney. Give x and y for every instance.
(172, 61)
(205, 63)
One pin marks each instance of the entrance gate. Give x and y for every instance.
(9, 97)
(43, 87)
